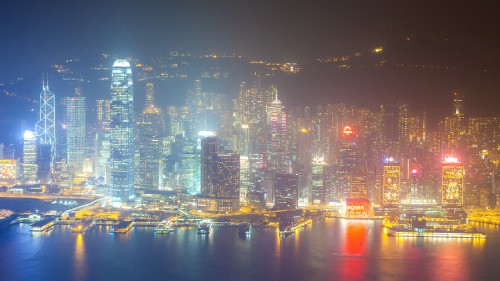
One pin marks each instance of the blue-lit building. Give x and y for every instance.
(75, 132)
(121, 133)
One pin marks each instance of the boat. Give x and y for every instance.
(204, 227)
(287, 231)
(164, 227)
(440, 234)
(123, 227)
(244, 228)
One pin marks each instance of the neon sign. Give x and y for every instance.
(347, 131)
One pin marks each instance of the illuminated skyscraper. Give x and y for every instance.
(46, 126)
(287, 191)
(318, 192)
(348, 150)
(209, 151)
(452, 183)
(30, 167)
(220, 175)
(347, 161)
(458, 105)
(75, 132)
(391, 184)
(189, 168)
(358, 185)
(102, 142)
(150, 128)
(121, 133)
(276, 134)
(227, 176)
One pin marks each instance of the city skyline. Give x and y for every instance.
(249, 140)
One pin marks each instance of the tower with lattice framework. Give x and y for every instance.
(46, 125)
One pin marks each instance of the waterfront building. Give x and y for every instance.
(318, 192)
(121, 133)
(209, 151)
(452, 184)
(391, 185)
(220, 175)
(8, 172)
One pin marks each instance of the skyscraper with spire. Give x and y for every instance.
(276, 134)
(150, 129)
(45, 127)
(121, 133)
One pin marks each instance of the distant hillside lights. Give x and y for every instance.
(290, 68)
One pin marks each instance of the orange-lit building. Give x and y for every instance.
(391, 185)
(8, 172)
(357, 208)
(452, 183)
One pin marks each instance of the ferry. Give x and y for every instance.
(244, 228)
(123, 227)
(445, 234)
(287, 231)
(82, 226)
(43, 225)
(205, 227)
(291, 229)
(164, 227)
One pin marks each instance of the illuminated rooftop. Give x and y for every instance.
(121, 63)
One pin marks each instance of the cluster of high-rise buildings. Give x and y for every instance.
(218, 152)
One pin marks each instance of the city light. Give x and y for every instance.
(227, 141)
(451, 160)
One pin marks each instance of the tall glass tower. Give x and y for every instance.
(75, 115)
(121, 133)
(276, 132)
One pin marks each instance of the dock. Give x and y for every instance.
(43, 225)
(123, 227)
(82, 226)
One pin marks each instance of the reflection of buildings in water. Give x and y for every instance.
(79, 269)
(354, 251)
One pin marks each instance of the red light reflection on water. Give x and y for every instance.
(353, 257)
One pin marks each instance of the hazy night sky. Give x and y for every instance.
(36, 34)
(293, 30)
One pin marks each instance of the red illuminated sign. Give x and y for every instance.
(347, 131)
(357, 205)
(355, 208)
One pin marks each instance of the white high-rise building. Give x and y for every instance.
(30, 166)
(75, 132)
(121, 133)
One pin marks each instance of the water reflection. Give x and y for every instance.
(354, 250)
(79, 262)
(334, 249)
